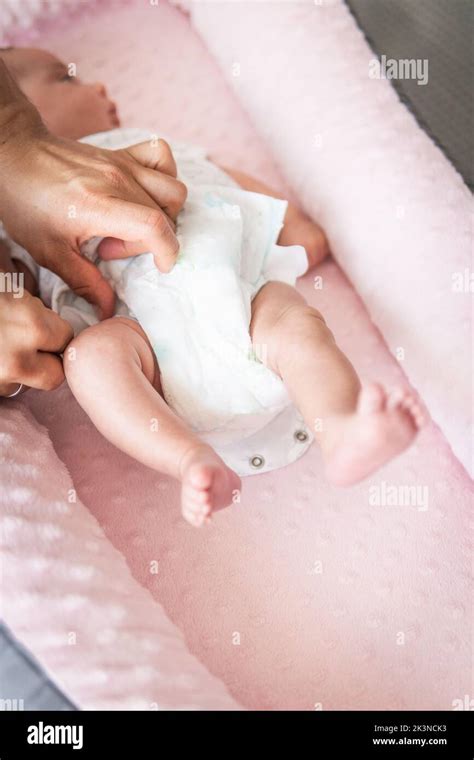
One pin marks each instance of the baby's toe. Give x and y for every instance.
(195, 495)
(411, 407)
(200, 476)
(195, 504)
(417, 413)
(199, 508)
(192, 518)
(371, 399)
(396, 399)
(195, 513)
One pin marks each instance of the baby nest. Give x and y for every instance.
(296, 597)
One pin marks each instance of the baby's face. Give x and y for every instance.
(69, 107)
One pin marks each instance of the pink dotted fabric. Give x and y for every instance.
(69, 596)
(303, 596)
(398, 215)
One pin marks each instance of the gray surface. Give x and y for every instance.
(23, 685)
(439, 30)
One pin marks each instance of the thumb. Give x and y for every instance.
(86, 281)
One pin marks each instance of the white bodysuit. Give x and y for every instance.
(197, 316)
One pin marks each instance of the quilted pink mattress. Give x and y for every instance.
(304, 595)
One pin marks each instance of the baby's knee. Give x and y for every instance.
(90, 346)
(300, 328)
(301, 319)
(107, 348)
(287, 330)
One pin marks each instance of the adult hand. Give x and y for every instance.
(58, 193)
(31, 339)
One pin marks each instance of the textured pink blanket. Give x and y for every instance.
(304, 596)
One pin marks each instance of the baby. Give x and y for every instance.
(222, 350)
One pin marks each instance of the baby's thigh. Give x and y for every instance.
(273, 303)
(110, 343)
(278, 311)
(145, 351)
(273, 299)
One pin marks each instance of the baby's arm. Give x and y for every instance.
(298, 229)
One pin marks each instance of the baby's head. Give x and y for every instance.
(69, 107)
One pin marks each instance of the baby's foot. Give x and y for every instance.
(206, 484)
(381, 428)
(301, 230)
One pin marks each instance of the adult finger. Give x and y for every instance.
(57, 333)
(154, 159)
(112, 248)
(6, 389)
(147, 228)
(155, 154)
(44, 372)
(87, 281)
(168, 193)
(159, 189)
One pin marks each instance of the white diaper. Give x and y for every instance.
(197, 316)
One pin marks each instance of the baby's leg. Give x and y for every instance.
(358, 430)
(113, 373)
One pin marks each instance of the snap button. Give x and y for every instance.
(257, 461)
(301, 435)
